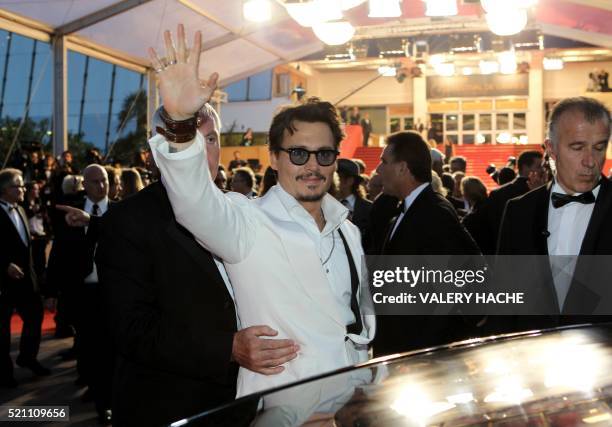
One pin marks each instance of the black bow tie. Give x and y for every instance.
(559, 200)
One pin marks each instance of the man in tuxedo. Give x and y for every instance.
(529, 167)
(292, 255)
(18, 285)
(352, 195)
(171, 310)
(571, 215)
(426, 225)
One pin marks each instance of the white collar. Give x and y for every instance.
(102, 205)
(410, 198)
(556, 188)
(334, 212)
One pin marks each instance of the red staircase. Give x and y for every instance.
(480, 156)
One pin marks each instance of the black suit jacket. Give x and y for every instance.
(430, 226)
(493, 209)
(13, 250)
(171, 315)
(524, 231)
(71, 256)
(361, 218)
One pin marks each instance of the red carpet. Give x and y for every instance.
(48, 325)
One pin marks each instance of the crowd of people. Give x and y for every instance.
(199, 295)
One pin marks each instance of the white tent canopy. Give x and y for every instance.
(235, 48)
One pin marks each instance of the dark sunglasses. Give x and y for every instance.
(300, 156)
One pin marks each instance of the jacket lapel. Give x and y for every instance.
(601, 211)
(540, 223)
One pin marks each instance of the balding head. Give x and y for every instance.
(95, 181)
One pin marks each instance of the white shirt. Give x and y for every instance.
(329, 245)
(17, 221)
(102, 208)
(567, 226)
(408, 201)
(350, 202)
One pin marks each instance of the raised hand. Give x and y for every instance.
(181, 91)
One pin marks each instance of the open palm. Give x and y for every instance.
(182, 92)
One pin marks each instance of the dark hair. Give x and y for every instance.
(505, 175)
(410, 147)
(527, 158)
(269, 180)
(592, 110)
(246, 174)
(448, 182)
(312, 111)
(459, 161)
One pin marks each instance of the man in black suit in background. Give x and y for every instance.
(18, 285)
(172, 311)
(529, 167)
(352, 195)
(427, 225)
(366, 128)
(571, 215)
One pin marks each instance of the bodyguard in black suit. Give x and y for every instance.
(570, 216)
(529, 164)
(18, 284)
(171, 311)
(426, 225)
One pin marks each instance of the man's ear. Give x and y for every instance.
(550, 148)
(274, 159)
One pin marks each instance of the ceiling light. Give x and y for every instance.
(551, 64)
(257, 10)
(441, 7)
(506, 21)
(385, 8)
(309, 13)
(334, 33)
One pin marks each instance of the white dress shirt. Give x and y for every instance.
(567, 226)
(329, 245)
(102, 208)
(408, 201)
(17, 221)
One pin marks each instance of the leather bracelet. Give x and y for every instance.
(178, 131)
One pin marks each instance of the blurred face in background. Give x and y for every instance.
(95, 182)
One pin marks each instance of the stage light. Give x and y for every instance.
(507, 62)
(309, 13)
(446, 69)
(387, 71)
(257, 10)
(334, 33)
(488, 67)
(384, 8)
(441, 7)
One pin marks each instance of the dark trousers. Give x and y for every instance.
(366, 138)
(30, 308)
(95, 359)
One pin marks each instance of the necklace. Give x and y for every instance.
(330, 253)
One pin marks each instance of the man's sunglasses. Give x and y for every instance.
(300, 156)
